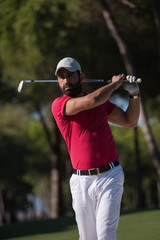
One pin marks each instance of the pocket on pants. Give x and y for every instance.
(74, 185)
(120, 176)
(77, 196)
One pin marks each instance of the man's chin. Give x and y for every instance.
(68, 93)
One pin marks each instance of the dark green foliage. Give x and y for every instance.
(34, 36)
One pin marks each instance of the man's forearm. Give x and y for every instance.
(94, 99)
(102, 94)
(133, 111)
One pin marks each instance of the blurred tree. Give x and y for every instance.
(35, 35)
(32, 24)
(145, 126)
(12, 160)
(36, 47)
(125, 145)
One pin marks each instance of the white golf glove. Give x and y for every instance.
(131, 86)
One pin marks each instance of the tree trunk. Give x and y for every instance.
(55, 180)
(128, 62)
(153, 149)
(2, 209)
(131, 70)
(60, 170)
(141, 198)
(157, 24)
(156, 11)
(12, 208)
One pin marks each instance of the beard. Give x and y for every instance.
(72, 90)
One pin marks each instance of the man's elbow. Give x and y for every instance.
(132, 124)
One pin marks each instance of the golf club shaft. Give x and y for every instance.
(86, 80)
(49, 81)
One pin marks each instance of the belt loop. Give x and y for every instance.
(89, 171)
(110, 165)
(98, 170)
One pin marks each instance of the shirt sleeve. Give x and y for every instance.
(58, 106)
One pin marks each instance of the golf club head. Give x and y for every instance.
(20, 86)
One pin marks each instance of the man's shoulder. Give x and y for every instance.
(60, 99)
(58, 104)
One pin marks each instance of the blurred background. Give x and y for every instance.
(107, 38)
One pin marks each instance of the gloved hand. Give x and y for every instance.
(131, 86)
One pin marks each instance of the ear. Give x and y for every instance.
(82, 77)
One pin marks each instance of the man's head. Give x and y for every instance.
(69, 76)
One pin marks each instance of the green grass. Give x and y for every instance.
(142, 225)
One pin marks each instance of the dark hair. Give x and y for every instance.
(78, 72)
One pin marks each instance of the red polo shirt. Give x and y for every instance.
(87, 134)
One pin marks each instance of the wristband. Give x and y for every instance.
(134, 96)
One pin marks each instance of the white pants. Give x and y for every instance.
(96, 202)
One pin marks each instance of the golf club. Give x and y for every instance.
(20, 86)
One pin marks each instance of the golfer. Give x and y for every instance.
(97, 180)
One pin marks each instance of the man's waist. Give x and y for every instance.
(96, 171)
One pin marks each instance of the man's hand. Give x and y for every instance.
(118, 79)
(131, 87)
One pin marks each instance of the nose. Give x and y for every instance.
(66, 79)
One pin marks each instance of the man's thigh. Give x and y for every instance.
(108, 205)
(84, 206)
